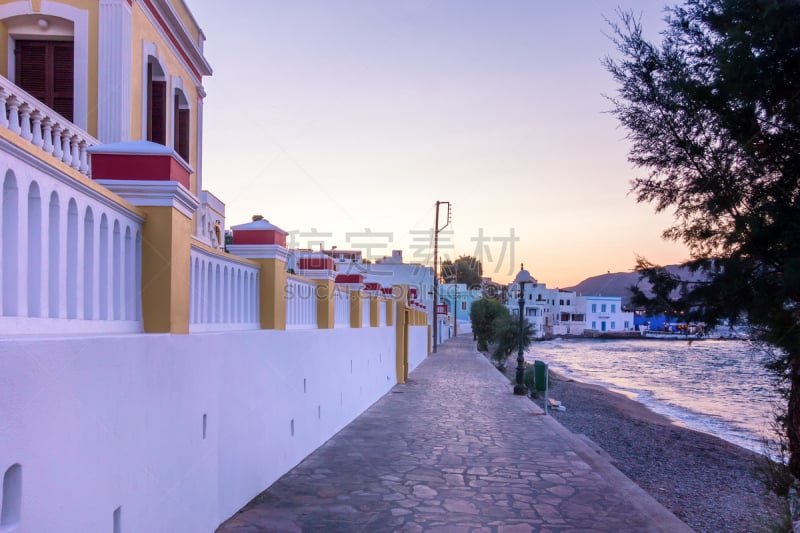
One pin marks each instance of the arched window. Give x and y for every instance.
(156, 102)
(181, 129)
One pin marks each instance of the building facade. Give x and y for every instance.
(151, 381)
(555, 312)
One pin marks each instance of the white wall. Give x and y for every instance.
(417, 345)
(104, 422)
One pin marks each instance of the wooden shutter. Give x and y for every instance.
(157, 108)
(45, 69)
(181, 137)
(31, 75)
(63, 76)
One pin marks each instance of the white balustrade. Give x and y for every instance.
(70, 257)
(224, 292)
(301, 303)
(341, 308)
(43, 127)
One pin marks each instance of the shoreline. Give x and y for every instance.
(709, 483)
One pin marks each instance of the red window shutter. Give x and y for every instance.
(182, 133)
(63, 61)
(45, 69)
(31, 73)
(157, 108)
(158, 90)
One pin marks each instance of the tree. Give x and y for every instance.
(713, 113)
(482, 315)
(466, 269)
(506, 337)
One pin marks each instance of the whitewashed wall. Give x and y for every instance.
(417, 345)
(176, 432)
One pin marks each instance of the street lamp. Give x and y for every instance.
(522, 278)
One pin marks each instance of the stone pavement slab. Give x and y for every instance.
(454, 450)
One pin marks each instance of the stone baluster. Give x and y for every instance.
(75, 159)
(84, 158)
(3, 108)
(58, 151)
(66, 149)
(36, 123)
(13, 114)
(25, 122)
(47, 135)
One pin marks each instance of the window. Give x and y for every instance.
(156, 103)
(561, 302)
(603, 308)
(627, 324)
(613, 308)
(594, 324)
(594, 309)
(613, 325)
(568, 302)
(463, 306)
(45, 69)
(181, 133)
(565, 317)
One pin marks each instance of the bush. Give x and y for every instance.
(482, 314)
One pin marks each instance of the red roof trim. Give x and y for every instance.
(171, 37)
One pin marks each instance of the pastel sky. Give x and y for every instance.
(344, 121)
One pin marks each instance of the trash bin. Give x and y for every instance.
(540, 375)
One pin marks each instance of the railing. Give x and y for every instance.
(224, 292)
(301, 303)
(70, 257)
(44, 128)
(341, 308)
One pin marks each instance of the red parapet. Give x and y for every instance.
(349, 278)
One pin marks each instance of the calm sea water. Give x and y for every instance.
(719, 387)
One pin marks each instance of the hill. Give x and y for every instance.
(618, 283)
(610, 284)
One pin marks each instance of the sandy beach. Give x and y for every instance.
(707, 482)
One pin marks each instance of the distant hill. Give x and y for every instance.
(618, 283)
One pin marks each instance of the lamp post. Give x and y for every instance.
(522, 278)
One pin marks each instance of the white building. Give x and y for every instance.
(554, 312)
(605, 314)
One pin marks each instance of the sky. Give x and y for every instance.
(343, 122)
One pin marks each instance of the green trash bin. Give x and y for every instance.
(540, 375)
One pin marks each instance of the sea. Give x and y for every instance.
(720, 387)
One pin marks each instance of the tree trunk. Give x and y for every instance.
(793, 417)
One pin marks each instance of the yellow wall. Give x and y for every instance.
(356, 308)
(142, 32)
(3, 48)
(165, 270)
(272, 293)
(187, 18)
(93, 8)
(324, 290)
(401, 340)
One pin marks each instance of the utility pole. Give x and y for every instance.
(436, 230)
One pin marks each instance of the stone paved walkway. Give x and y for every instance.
(454, 450)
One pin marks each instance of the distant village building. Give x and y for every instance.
(555, 312)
